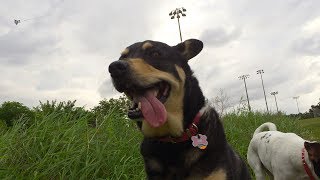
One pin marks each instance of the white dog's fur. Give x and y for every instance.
(277, 154)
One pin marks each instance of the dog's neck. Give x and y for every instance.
(192, 130)
(193, 100)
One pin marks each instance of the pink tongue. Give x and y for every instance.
(152, 109)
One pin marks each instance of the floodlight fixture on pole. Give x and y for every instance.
(178, 13)
(244, 77)
(264, 92)
(296, 98)
(275, 98)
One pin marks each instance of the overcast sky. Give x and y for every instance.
(62, 48)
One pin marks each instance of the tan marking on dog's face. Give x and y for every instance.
(125, 52)
(174, 106)
(146, 45)
(219, 174)
(146, 75)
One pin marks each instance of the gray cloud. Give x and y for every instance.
(106, 88)
(65, 54)
(17, 46)
(308, 45)
(219, 36)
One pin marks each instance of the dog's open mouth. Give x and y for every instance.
(148, 103)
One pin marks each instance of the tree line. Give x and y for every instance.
(14, 112)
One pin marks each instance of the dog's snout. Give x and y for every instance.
(118, 68)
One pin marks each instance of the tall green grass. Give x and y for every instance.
(59, 147)
(65, 146)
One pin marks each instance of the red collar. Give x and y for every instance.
(305, 165)
(188, 133)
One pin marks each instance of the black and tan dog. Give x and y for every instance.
(170, 110)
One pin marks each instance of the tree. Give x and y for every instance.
(67, 108)
(105, 106)
(118, 106)
(315, 109)
(11, 111)
(221, 102)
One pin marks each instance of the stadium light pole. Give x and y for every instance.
(264, 92)
(296, 98)
(178, 13)
(275, 98)
(244, 77)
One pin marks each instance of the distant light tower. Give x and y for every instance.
(244, 77)
(176, 13)
(264, 92)
(296, 98)
(275, 99)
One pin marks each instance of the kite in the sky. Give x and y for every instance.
(17, 21)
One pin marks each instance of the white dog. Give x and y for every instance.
(284, 156)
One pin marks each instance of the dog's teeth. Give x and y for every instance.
(139, 105)
(155, 92)
(165, 91)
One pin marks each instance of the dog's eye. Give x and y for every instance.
(155, 54)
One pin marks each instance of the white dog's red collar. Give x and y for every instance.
(305, 165)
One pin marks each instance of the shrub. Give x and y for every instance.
(118, 106)
(61, 108)
(11, 111)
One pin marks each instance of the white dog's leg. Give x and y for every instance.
(256, 165)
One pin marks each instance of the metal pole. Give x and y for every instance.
(179, 29)
(245, 85)
(178, 13)
(275, 98)
(264, 92)
(296, 98)
(298, 105)
(276, 102)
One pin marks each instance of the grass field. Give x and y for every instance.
(58, 146)
(312, 125)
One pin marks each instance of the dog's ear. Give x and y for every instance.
(189, 48)
(313, 149)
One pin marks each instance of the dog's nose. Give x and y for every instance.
(118, 68)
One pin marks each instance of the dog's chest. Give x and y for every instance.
(174, 162)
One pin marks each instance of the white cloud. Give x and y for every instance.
(312, 26)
